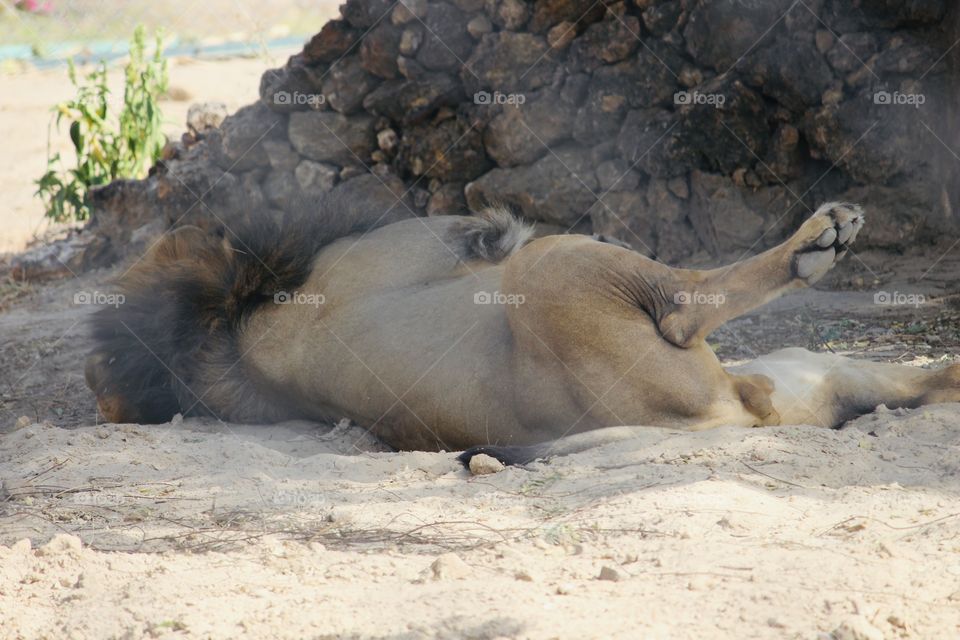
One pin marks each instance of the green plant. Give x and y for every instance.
(107, 146)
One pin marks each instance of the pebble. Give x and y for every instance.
(482, 464)
(450, 566)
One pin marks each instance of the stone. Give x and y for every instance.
(450, 151)
(379, 49)
(447, 200)
(408, 11)
(726, 134)
(334, 40)
(295, 87)
(724, 222)
(649, 141)
(616, 175)
(511, 14)
(479, 26)
(521, 134)
(482, 465)
(547, 13)
(824, 40)
(205, 115)
(241, 137)
(662, 18)
(852, 51)
(363, 14)
(281, 155)
(611, 574)
(450, 566)
(411, 101)
(510, 63)
(387, 140)
(719, 33)
(447, 43)
(346, 85)
(332, 137)
(678, 186)
(282, 191)
(643, 81)
(410, 40)
(856, 628)
(605, 42)
(410, 68)
(315, 177)
(792, 73)
(544, 191)
(561, 35)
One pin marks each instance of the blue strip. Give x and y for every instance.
(85, 52)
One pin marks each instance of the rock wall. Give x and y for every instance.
(690, 129)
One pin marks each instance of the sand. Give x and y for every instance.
(207, 530)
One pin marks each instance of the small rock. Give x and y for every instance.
(482, 464)
(566, 588)
(561, 35)
(449, 566)
(62, 543)
(281, 155)
(824, 40)
(315, 177)
(387, 140)
(856, 628)
(22, 421)
(610, 574)
(479, 26)
(524, 575)
(407, 10)
(410, 40)
(678, 186)
(205, 115)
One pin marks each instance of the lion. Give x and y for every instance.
(463, 333)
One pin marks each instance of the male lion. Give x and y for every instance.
(452, 332)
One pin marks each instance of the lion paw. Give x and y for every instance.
(824, 238)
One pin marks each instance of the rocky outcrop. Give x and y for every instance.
(681, 127)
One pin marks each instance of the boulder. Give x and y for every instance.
(332, 137)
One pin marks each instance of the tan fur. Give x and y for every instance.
(579, 335)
